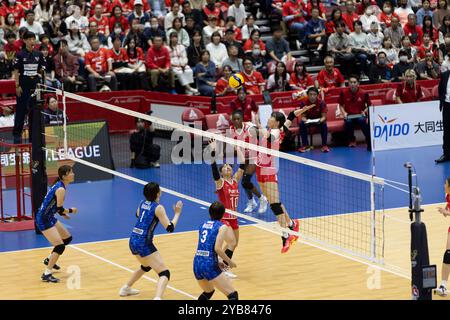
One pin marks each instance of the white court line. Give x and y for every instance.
(130, 271)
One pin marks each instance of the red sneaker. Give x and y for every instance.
(325, 149)
(296, 228)
(352, 144)
(288, 244)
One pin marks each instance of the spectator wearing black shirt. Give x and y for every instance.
(398, 72)
(427, 69)
(195, 49)
(230, 40)
(380, 72)
(5, 66)
(190, 27)
(144, 153)
(50, 79)
(52, 115)
(195, 14)
(154, 30)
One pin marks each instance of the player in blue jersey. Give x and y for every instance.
(207, 268)
(149, 213)
(50, 227)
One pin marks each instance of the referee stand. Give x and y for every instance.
(423, 276)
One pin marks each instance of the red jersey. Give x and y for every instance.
(27, 4)
(102, 23)
(408, 94)
(216, 12)
(421, 51)
(386, 19)
(447, 199)
(98, 60)
(248, 45)
(135, 57)
(244, 135)
(302, 83)
(118, 56)
(127, 7)
(327, 80)
(309, 7)
(354, 103)
(123, 22)
(229, 196)
(106, 6)
(349, 19)
(253, 81)
(247, 107)
(267, 163)
(292, 8)
(16, 10)
(414, 33)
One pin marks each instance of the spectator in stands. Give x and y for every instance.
(410, 51)
(237, 10)
(67, 67)
(50, 79)
(179, 64)
(62, 7)
(427, 45)
(409, 90)
(395, 32)
(398, 72)
(136, 61)
(259, 63)
(246, 104)
(300, 79)
(249, 26)
(14, 8)
(330, 77)
(403, 11)
(32, 25)
(279, 81)
(320, 7)
(93, 31)
(339, 46)
(5, 66)
(425, 11)
(10, 26)
(336, 17)
(218, 51)
(277, 47)
(43, 12)
(138, 13)
(233, 60)
(158, 64)
(159, 10)
(57, 28)
(211, 9)
(428, 28)
(230, 40)
(98, 67)
(194, 14)
(444, 29)
(155, 30)
(52, 115)
(315, 33)
(117, 32)
(315, 117)
(118, 17)
(222, 87)
(349, 16)
(294, 16)
(390, 51)
(253, 80)
(77, 41)
(144, 153)
(385, 17)
(255, 38)
(368, 18)
(78, 18)
(427, 69)
(354, 105)
(101, 20)
(175, 12)
(360, 47)
(205, 73)
(195, 49)
(231, 24)
(117, 57)
(413, 31)
(441, 12)
(7, 117)
(137, 33)
(11, 49)
(380, 72)
(375, 39)
(210, 29)
(190, 26)
(182, 35)
(363, 5)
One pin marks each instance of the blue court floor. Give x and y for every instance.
(107, 208)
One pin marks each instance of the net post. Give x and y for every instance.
(373, 250)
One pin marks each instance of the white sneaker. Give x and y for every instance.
(230, 274)
(263, 204)
(155, 164)
(251, 205)
(441, 291)
(127, 291)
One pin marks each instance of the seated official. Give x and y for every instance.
(52, 115)
(315, 117)
(354, 104)
(144, 153)
(409, 90)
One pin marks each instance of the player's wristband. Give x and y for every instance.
(70, 210)
(291, 116)
(215, 171)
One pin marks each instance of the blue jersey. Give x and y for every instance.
(141, 240)
(45, 217)
(205, 261)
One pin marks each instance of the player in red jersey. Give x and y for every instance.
(442, 290)
(246, 132)
(227, 189)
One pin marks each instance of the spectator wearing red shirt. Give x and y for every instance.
(300, 80)
(413, 31)
(254, 38)
(336, 17)
(317, 117)
(118, 17)
(428, 28)
(127, 7)
(330, 77)
(11, 48)
(361, 8)
(387, 14)
(246, 104)
(105, 6)
(427, 45)
(316, 4)
(350, 16)
(158, 64)
(222, 86)
(409, 90)
(98, 66)
(136, 61)
(101, 20)
(294, 16)
(253, 80)
(354, 104)
(15, 8)
(117, 57)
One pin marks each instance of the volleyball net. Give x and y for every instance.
(338, 209)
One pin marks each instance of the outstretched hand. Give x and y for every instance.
(177, 207)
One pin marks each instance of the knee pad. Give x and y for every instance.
(233, 296)
(68, 240)
(447, 257)
(206, 295)
(59, 249)
(246, 183)
(145, 269)
(165, 273)
(276, 208)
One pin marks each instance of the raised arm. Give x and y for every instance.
(296, 113)
(162, 216)
(215, 170)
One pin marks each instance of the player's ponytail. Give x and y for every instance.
(62, 171)
(281, 118)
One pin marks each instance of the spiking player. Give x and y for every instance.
(442, 290)
(149, 213)
(207, 269)
(50, 227)
(245, 131)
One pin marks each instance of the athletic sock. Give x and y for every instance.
(444, 283)
(284, 237)
(47, 271)
(291, 224)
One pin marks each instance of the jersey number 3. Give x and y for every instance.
(204, 235)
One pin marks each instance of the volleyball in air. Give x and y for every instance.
(236, 81)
